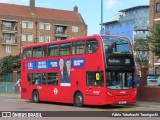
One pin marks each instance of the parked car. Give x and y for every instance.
(153, 80)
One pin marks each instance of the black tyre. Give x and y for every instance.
(78, 99)
(35, 96)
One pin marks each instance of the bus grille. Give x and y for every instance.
(122, 97)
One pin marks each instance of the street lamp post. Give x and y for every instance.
(101, 17)
(21, 39)
(35, 41)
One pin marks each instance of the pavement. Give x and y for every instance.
(138, 103)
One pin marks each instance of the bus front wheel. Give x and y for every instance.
(78, 99)
(35, 96)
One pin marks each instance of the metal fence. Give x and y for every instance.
(7, 88)
(7, 83)
(8, 77)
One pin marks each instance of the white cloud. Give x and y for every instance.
(111, 3)
(20, 2)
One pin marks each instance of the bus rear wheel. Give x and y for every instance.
(35, 96)
(78, 99)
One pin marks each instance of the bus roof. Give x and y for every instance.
(69, 40)
(61, 41)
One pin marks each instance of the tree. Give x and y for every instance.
(141, 48)
(9, 64)
(154, 40)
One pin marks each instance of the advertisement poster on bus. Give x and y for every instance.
(64, 65)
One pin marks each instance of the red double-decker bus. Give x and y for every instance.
(90, 70)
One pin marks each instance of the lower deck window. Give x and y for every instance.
(43, 78)
(95, 78)
(52, 78)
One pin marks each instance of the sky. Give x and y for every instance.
(89, 9)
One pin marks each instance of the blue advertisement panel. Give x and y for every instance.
(41, 65)
(30, 65)
(77, 63)
(64, 65)
(51, 64)
(45, 64)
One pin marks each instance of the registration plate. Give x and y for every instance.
(122, 102)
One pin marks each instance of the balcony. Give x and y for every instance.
(61, 33)
(8, 42)
(12, 29)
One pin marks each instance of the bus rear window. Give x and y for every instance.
(37, 52)
(27, 53)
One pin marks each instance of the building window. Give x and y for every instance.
(47, 26)
(75, 28)
(41, 26)
(30, 38)
(60, 29)
(41, 38)
(7, 24)
(158, 7)
(26, 24)
(30, 24)
(44, 38)
(8, 49)
(44, 26)
(24, 37)
(47, 38)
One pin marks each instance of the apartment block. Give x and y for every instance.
(154, 60)
(24, 25)
(131, 22)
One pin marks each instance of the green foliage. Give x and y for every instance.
(141, 48)
(9, 64)
(154, 40)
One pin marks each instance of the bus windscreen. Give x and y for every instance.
(116, 45)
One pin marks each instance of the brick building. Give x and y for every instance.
(154, 18)
(23, 25)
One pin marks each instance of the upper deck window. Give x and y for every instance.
(53, 50)
(91, 46)
(37, 52)
(78, 47)
(65, 48)
(44, 51)
(116, 45)
(27, 53)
